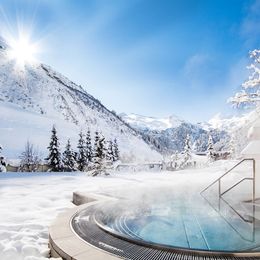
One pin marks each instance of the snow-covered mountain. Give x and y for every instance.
(168, 134)
(151, 123)
(36, 96)
(168, 137)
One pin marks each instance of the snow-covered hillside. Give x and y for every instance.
(227, 133)
(35, 97)
(151, 123)
(168, 134)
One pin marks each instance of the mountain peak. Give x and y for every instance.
(151, 123)
(32, 101)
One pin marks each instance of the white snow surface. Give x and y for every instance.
(31, 202)
(152, 123)
(35, 97)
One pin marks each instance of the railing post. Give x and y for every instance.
(254, 173)
(219, 188)
(220, 178)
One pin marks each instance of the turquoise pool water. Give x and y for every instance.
(192, 224)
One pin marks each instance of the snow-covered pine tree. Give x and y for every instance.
(102, 145)
(99, 154)
(210, 149)
(82, 158)
(116, 153)
(2, 160)
(89, 150)
(249, 96)
(174, 160)
(68, 158)
(54, 158)
(110, 152)
(96, 140)
(96, 154)
(187, 149)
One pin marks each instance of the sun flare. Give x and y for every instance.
(22, 50)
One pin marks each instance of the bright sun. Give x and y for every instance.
(22, 50)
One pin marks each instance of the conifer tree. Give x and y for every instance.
(187, 149)
(96, 154)
(115, 151)
(103, 149)
(110, 152)
(68, 159)
(54, 158)
(210, 149)
(89, 150)
(82, 158)
(2, 160)
(174, 160)
(99, 154)
(96, 139)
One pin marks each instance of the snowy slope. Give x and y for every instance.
(41, 97)
(151, 123)
(168, 134)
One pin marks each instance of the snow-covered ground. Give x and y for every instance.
(18, 126)
(30, 202)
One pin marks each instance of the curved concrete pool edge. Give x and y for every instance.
(64, 243)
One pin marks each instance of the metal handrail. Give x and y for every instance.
(226, 220)
(219, 179)
(234, 210)
(233, 186)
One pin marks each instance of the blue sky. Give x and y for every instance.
(156, 58)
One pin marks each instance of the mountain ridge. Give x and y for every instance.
(138, 121)
(229, 134)
(54, 98)
(169, 138)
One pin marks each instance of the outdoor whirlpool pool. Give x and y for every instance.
(192, 225)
